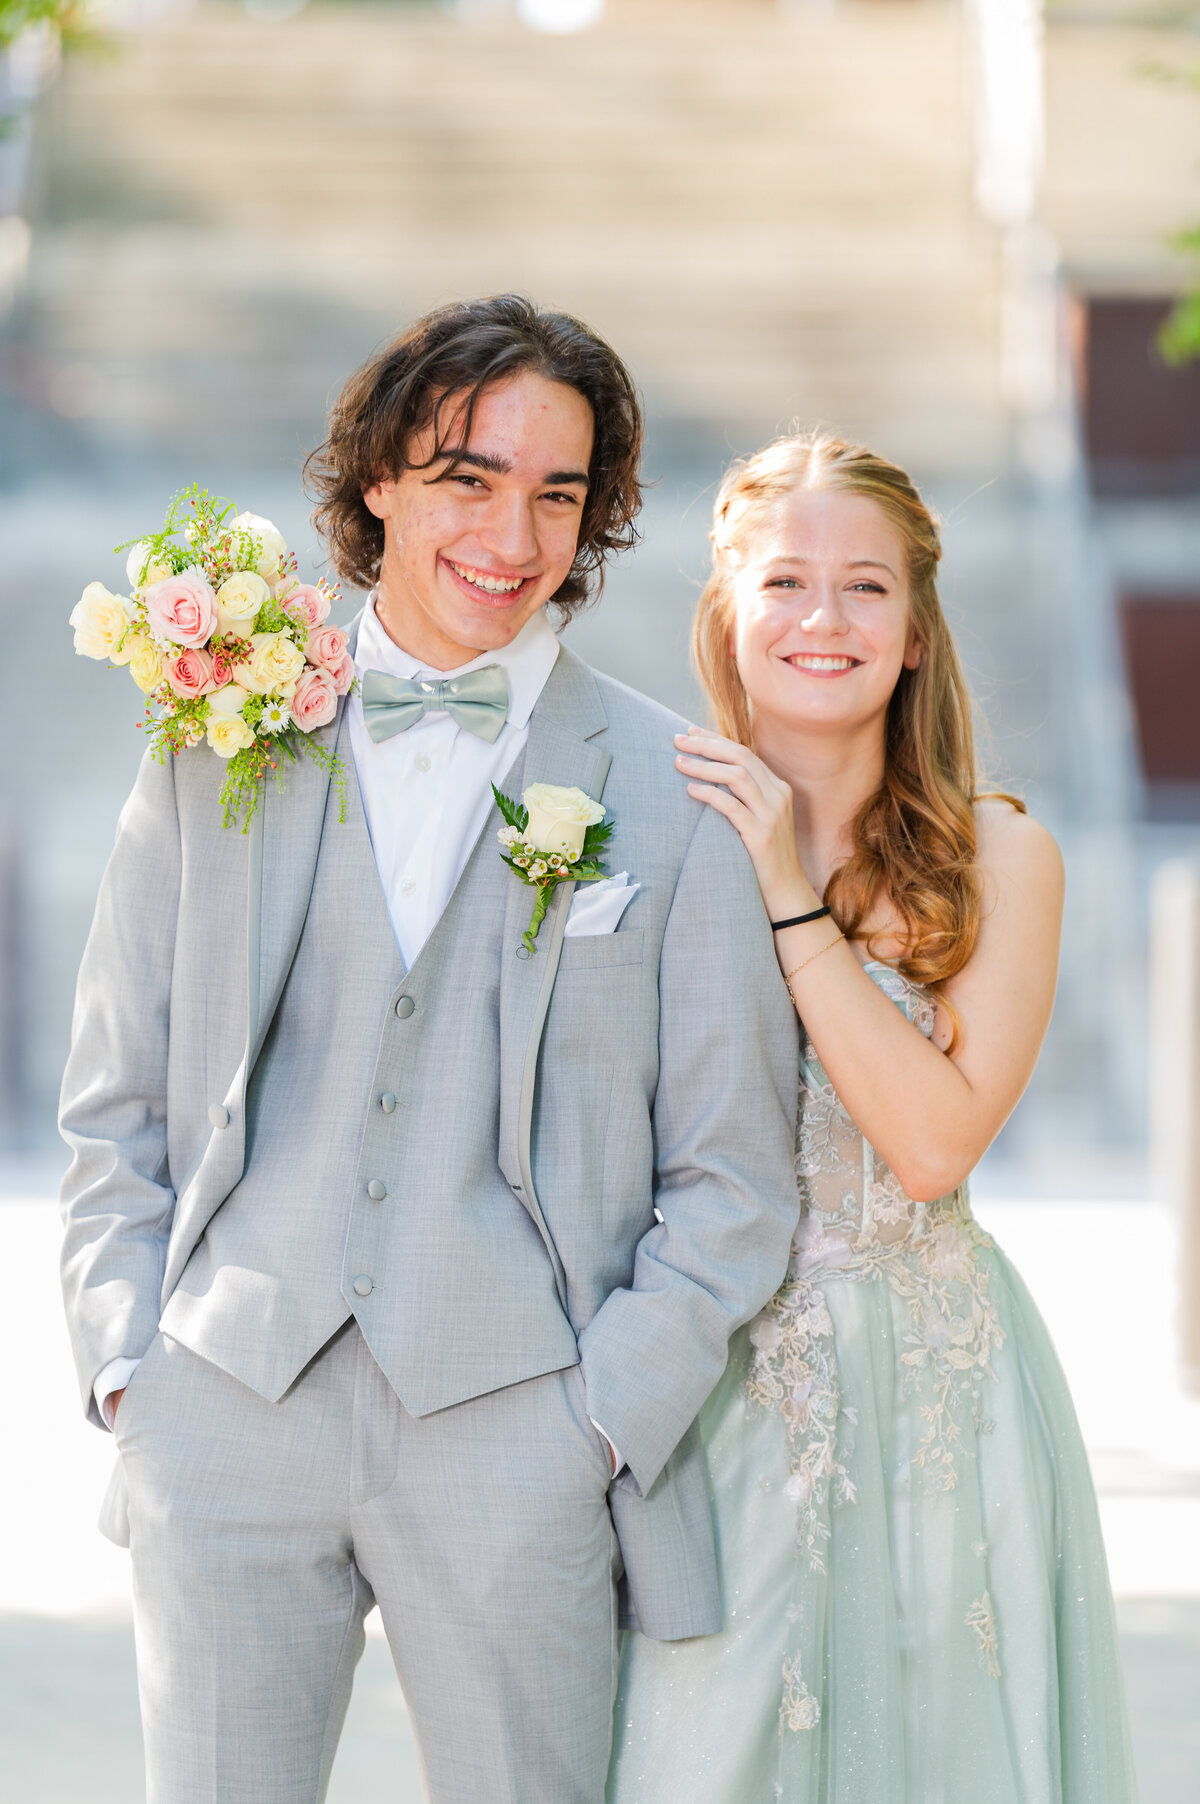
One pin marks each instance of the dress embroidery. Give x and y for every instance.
(857, 1224)
(799, 1709)
(981, 1619)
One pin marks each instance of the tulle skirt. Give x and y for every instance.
(917, 1601)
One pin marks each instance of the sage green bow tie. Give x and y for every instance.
(477, 701)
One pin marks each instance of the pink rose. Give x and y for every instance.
(222, 670)
(343, 676)
(181, 608)
(190, 673)
(326, 647)
(315, 702)
(308, 600)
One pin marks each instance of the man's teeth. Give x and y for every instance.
(811, 661)
(492, 585)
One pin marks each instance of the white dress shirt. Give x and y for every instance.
(427, 794)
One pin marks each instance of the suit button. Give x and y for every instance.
(405, 1007)
(376, 1190)
(218, 1114)
(362, 1287)
(387, 1103)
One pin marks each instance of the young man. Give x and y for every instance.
(423, 1252)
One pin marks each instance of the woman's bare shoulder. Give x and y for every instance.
(1011, 845)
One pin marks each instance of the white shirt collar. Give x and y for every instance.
(527, 662)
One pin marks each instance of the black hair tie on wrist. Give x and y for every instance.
(817, 914)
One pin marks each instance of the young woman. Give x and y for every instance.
(917, 1602)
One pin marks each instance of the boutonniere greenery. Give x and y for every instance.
(551, 836)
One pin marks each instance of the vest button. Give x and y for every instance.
(405, 1007)
(376, 1190)
(387, 1103)
(218, 1114)
(362, 1287)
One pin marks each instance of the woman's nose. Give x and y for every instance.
(824, 609)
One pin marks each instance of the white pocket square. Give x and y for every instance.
(597, 907)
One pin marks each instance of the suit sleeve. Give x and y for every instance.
(117, 1198)
(724, 1137)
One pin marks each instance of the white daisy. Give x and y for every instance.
(276, 716)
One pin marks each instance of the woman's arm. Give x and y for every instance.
(929, 1114)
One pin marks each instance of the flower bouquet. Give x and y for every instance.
(229, 648)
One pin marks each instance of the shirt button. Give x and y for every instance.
(424, 762)
(405, 1007)
(377, 1190)
(362, 1287)
(387, 1103)
(408, 886)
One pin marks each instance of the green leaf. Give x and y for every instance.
(1179, 334)
(514, 814)
(597, 837)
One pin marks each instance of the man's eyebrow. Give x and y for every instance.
(481, 460)
(500, 466)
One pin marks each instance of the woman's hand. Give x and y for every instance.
(759, 804)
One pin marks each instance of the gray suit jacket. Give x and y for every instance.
(639, 1153)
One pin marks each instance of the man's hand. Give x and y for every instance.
(112, 1404)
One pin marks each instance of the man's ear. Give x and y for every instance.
(378, 496)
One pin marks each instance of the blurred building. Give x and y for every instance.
(938, 225)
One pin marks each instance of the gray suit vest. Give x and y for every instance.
(336, 1203)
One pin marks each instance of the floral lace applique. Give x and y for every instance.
(981, 1618)
(799, 1709)
(953, 1329)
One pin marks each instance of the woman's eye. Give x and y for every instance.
(868, 588)
(782, 582)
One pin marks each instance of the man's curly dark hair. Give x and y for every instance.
(426, 375)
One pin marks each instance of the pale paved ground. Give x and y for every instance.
(1101, 1272)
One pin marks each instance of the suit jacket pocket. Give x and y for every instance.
(601, 951)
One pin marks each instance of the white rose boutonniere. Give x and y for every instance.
(552, 836)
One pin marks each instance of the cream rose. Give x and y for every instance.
(142, 569)
(146, 665)
(101, 621)
(274, 662)
(238, 602)
(225, 703)
(559, 818)
(272, 546)
(229, 734)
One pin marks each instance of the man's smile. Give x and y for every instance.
(488, 582)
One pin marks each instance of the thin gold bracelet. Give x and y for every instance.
(827, 947)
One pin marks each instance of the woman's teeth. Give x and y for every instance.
(809, 661)
(491, 585)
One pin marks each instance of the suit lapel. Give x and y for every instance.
(567, 717)
(285, 838)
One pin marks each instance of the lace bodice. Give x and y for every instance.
(856, 1224)
(852, 1204)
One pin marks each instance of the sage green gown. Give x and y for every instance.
(917, 1601)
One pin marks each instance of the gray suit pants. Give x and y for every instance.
(261, 1533)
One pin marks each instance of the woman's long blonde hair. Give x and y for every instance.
(914, 839)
